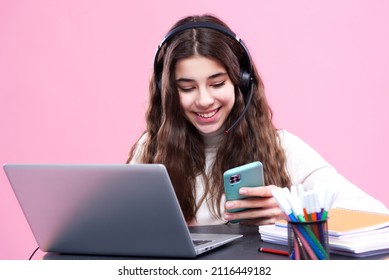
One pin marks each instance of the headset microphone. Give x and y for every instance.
(250, 96)
(246, 85)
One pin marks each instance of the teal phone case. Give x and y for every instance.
(248, 175)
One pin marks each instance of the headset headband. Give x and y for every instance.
(246, 64)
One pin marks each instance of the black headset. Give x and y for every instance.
(246, 85)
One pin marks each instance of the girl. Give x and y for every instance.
(208, 113)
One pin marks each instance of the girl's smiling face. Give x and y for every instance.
(206, 92)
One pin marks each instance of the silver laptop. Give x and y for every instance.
(123, 210)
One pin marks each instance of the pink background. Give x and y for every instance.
(74, 79)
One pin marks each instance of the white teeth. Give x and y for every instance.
(207, 115)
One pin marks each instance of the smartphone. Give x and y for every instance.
(248, 175)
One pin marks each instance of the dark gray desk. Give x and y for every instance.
(245, 248)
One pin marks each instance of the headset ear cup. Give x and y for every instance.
(245, 80)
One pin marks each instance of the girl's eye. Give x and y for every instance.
(186, 89)
(217, 85)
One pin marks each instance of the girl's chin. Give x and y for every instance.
(210, 130)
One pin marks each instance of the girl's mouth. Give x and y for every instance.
(208, 115)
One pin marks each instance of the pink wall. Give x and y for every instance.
(74, 78)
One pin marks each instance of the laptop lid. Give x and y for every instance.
(104, 210)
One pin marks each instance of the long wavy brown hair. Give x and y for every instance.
(174, 142)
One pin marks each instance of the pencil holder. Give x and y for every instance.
(308, 240)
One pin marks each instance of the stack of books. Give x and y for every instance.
(350, 232)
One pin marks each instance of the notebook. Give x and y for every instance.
(345, 221)
(92, 209)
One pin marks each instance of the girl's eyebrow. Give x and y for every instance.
(217, 75)
(183, 80)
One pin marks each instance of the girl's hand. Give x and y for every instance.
(262, 208)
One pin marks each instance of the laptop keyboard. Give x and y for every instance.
(198, 242)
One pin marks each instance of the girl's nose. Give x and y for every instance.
(204, 98)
